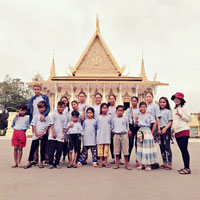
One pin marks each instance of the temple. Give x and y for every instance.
(97, 71)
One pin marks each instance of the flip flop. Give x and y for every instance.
(27, 166)
(116, 167)
(107, 166)
(14, 166)
(185, 171)
(128, 168)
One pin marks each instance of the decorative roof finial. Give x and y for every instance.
(143, 73)
(97, 23)
(52, 72)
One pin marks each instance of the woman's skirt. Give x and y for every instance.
(146, 150)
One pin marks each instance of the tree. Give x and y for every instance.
(13, 92)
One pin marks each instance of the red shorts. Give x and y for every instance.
(19, 138)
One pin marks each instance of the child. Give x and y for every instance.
(98, 99)
(75, 107)
(20, 124)
(165, 126)
(154, 110)
(112, 112)
(56, 135)
(66, 102)
(89, 138)
(39, 135)
(103, 135)
(146, 150)
(131, 113)
(120, 129)
(180, 127)
(74, 130)
(82, 105)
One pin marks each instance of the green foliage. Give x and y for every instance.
(13, 92)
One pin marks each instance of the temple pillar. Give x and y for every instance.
(104, 92)
(72, 92)
(120, 94)
(56, 96)
(88, 93)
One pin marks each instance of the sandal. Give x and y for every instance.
(107, 166)
(116, 167)
(179, 170)
(148, 168)
(20, 166)
(185, 171)
(27, 166)
(100, 165)
(14, 166)
(69, 166)
(40, 166)
(139, 167)
(163, 166)
(94, 164)
(168, 167)
(128, 168)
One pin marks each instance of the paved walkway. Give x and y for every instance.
(93, 183)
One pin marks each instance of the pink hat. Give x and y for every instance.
(178, 95)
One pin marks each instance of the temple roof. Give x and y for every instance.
(96, 58)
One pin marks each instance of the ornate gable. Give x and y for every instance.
(97, 60)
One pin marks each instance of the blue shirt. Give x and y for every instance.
(104, 129)
(166, 116)
(120, 125)
(154, 110)
(89, 132)
(75, 129)
(20, 123)
(145, 120)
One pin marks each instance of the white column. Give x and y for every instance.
(56, 96)
(136, 90)
(88, 93)
(72, 92)
(104, 92)
(120, 94)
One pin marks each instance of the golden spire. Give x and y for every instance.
(52, 72)
(143, 73)
(97, 23)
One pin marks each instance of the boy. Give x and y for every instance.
(120, 128)
(39, 134)
(56, 135)
(33, 110)
(20, 124)
(74, 130)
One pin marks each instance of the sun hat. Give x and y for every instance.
(178, 95)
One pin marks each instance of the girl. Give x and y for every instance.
(98, 99)
(82, 105)
(146, 151)
(154, 110)
(165, 126)
(66, 102)
(112, 112)
(103, 135)
(180, 127)
(131, 113)
(89, 138)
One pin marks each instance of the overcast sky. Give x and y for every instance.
(167, 31)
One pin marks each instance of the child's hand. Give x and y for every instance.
(42, 118)
(136, 117)
(177, 113)
(159, 131)
(164, 130)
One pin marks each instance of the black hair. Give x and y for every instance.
(182, 102)
(149, 93)
(98, 94)
(64, 96)
(60, 103)
(142, 103)
(75, 113)
(41, 104)
(74, 101)
(167, 102)
(134, 97)
(112, 95)
(22, 107)
(120, 106)
(103, 104)
(91, 109)
(82, 93)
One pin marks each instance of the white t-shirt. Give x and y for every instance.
(21, 123)
(40, 125)
(35, 102)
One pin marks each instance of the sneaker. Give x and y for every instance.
(51, 166)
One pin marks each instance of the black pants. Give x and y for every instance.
(34, 147)
(112, 148)
(132, 137)
(183, 145)
(165, 148)
(65, 148)
(55, 147)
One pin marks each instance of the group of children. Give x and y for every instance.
(102, 128)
